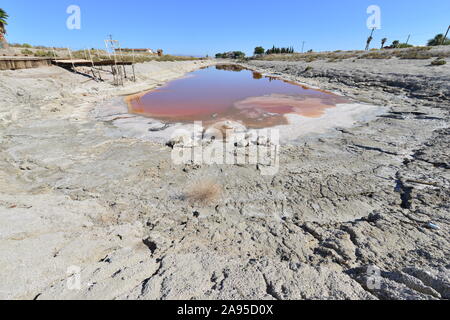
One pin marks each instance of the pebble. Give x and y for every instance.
(433, 226)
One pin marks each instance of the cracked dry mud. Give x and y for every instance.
(78, 191)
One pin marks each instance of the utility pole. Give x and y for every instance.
(445, 37)
(303, 47)
(409, 37)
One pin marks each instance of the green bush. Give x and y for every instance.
(231, 55)
(395, 44)
(42, 53)
(26, 52)
(259, 50)
(438, 62)
(404, 45)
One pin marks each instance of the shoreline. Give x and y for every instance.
(79, 191)
(137, 125)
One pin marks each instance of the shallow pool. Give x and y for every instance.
(230, 92)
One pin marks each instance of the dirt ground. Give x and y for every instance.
(359, 212)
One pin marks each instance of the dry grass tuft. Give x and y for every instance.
(377, 55)
(204, 192)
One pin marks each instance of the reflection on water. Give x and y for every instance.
(216, 94)
(230, 67)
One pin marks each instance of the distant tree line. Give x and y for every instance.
(276, 50)
(396, 44)
(231, 55)
(438, 40)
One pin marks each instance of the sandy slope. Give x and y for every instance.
(78, 190)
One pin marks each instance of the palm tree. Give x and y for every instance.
(439, 40)
(369, 40)
(3, 23)
(395, 44)
(383, 42)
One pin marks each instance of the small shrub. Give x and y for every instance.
(26, 52)
(404, 45)
(427, 48)
(42, 53)
(414, 55)
(438, 62)
(311, 59)
(376, 55)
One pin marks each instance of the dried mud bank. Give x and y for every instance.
(79, 195)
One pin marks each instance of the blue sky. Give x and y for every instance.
(201, 27)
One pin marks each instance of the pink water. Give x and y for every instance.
(229, 92)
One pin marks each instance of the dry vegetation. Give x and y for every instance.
(137, 58)
(204, 192)
(94, 54)
(409, 53)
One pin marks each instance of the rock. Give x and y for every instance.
(159, 127)
(409, 284)
(439, 280)
(432, 226)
